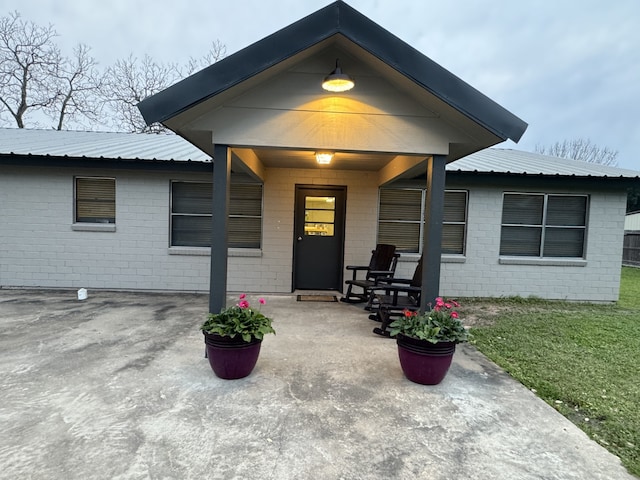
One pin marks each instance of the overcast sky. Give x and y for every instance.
(569, 68)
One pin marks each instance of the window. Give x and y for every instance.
(543, 225)
(319, 216)
(95, 200)
(454, 225)
(191, 215)
(400, 219)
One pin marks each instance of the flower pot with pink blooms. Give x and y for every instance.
(427, 341)
(233, 338)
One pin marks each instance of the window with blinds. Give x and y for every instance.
(543, 225)
(191, 215)
(454, 224)
(95, 200)
(400, 216)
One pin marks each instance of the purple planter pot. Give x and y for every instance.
(424, 362)
(231, 358)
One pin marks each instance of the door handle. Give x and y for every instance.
(299, 238)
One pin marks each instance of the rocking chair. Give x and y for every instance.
(382, 264)
(395, 295)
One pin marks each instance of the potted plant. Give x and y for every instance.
(427, 341)
(233, 338)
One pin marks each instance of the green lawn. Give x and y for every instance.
(583, 359)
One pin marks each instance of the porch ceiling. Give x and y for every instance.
(276, 158)
(389, 167)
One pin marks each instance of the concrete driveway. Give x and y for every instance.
(116, 387)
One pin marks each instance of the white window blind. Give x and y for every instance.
(95, 200)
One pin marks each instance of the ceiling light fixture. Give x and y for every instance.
(324, 158)
(337, 81)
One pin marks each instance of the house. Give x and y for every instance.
(239, 201)
(631, 249)
(146, 223)
(632, 222)
(272, 105)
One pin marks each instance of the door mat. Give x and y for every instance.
(317, 298)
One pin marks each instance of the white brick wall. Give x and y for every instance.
(38, 248)
(482, 274)
(272, 272)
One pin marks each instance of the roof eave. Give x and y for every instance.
(336, 18)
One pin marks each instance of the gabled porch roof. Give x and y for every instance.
(337, 26)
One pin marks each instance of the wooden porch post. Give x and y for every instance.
(219, 228)
(432, 239)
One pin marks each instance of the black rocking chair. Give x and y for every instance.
(382, 265)
(395, 295)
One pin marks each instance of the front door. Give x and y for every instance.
(319, 237)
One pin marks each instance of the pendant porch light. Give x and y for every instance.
(337, 81)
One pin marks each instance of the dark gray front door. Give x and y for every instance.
(319, 237)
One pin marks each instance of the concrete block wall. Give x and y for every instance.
(483, 274)
(38, 247)
(271, 271)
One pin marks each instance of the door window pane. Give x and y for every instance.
(319, 216)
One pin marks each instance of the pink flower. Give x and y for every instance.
(262, 301)
(447, 305)
(455, 304)
(243, 304)
(439, 302)
(454, 315)
(243, 296)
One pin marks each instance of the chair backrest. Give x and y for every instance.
(382, 257)
(416, 280)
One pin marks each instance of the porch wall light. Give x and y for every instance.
(337, 81)
(324, 158)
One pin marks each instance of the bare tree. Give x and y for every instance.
(581, 149)
(130, 81)
(78, 85)
(36, 77)
(28, 57)
(217, 52)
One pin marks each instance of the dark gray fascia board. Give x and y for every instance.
(336, 18)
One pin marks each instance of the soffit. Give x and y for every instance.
(289, 158)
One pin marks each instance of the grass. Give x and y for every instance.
(582, 359)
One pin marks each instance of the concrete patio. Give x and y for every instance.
(116, 387)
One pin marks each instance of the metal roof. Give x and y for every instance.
(75, 144)
(145, 146)
(516, 162)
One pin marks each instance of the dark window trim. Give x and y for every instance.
(99, 223)
(422, 215)
(544, 227)
(172, 215)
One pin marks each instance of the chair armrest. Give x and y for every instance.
(391, 280)
(400, 288)
(355, 269)
(393, 291)
(380, 273)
